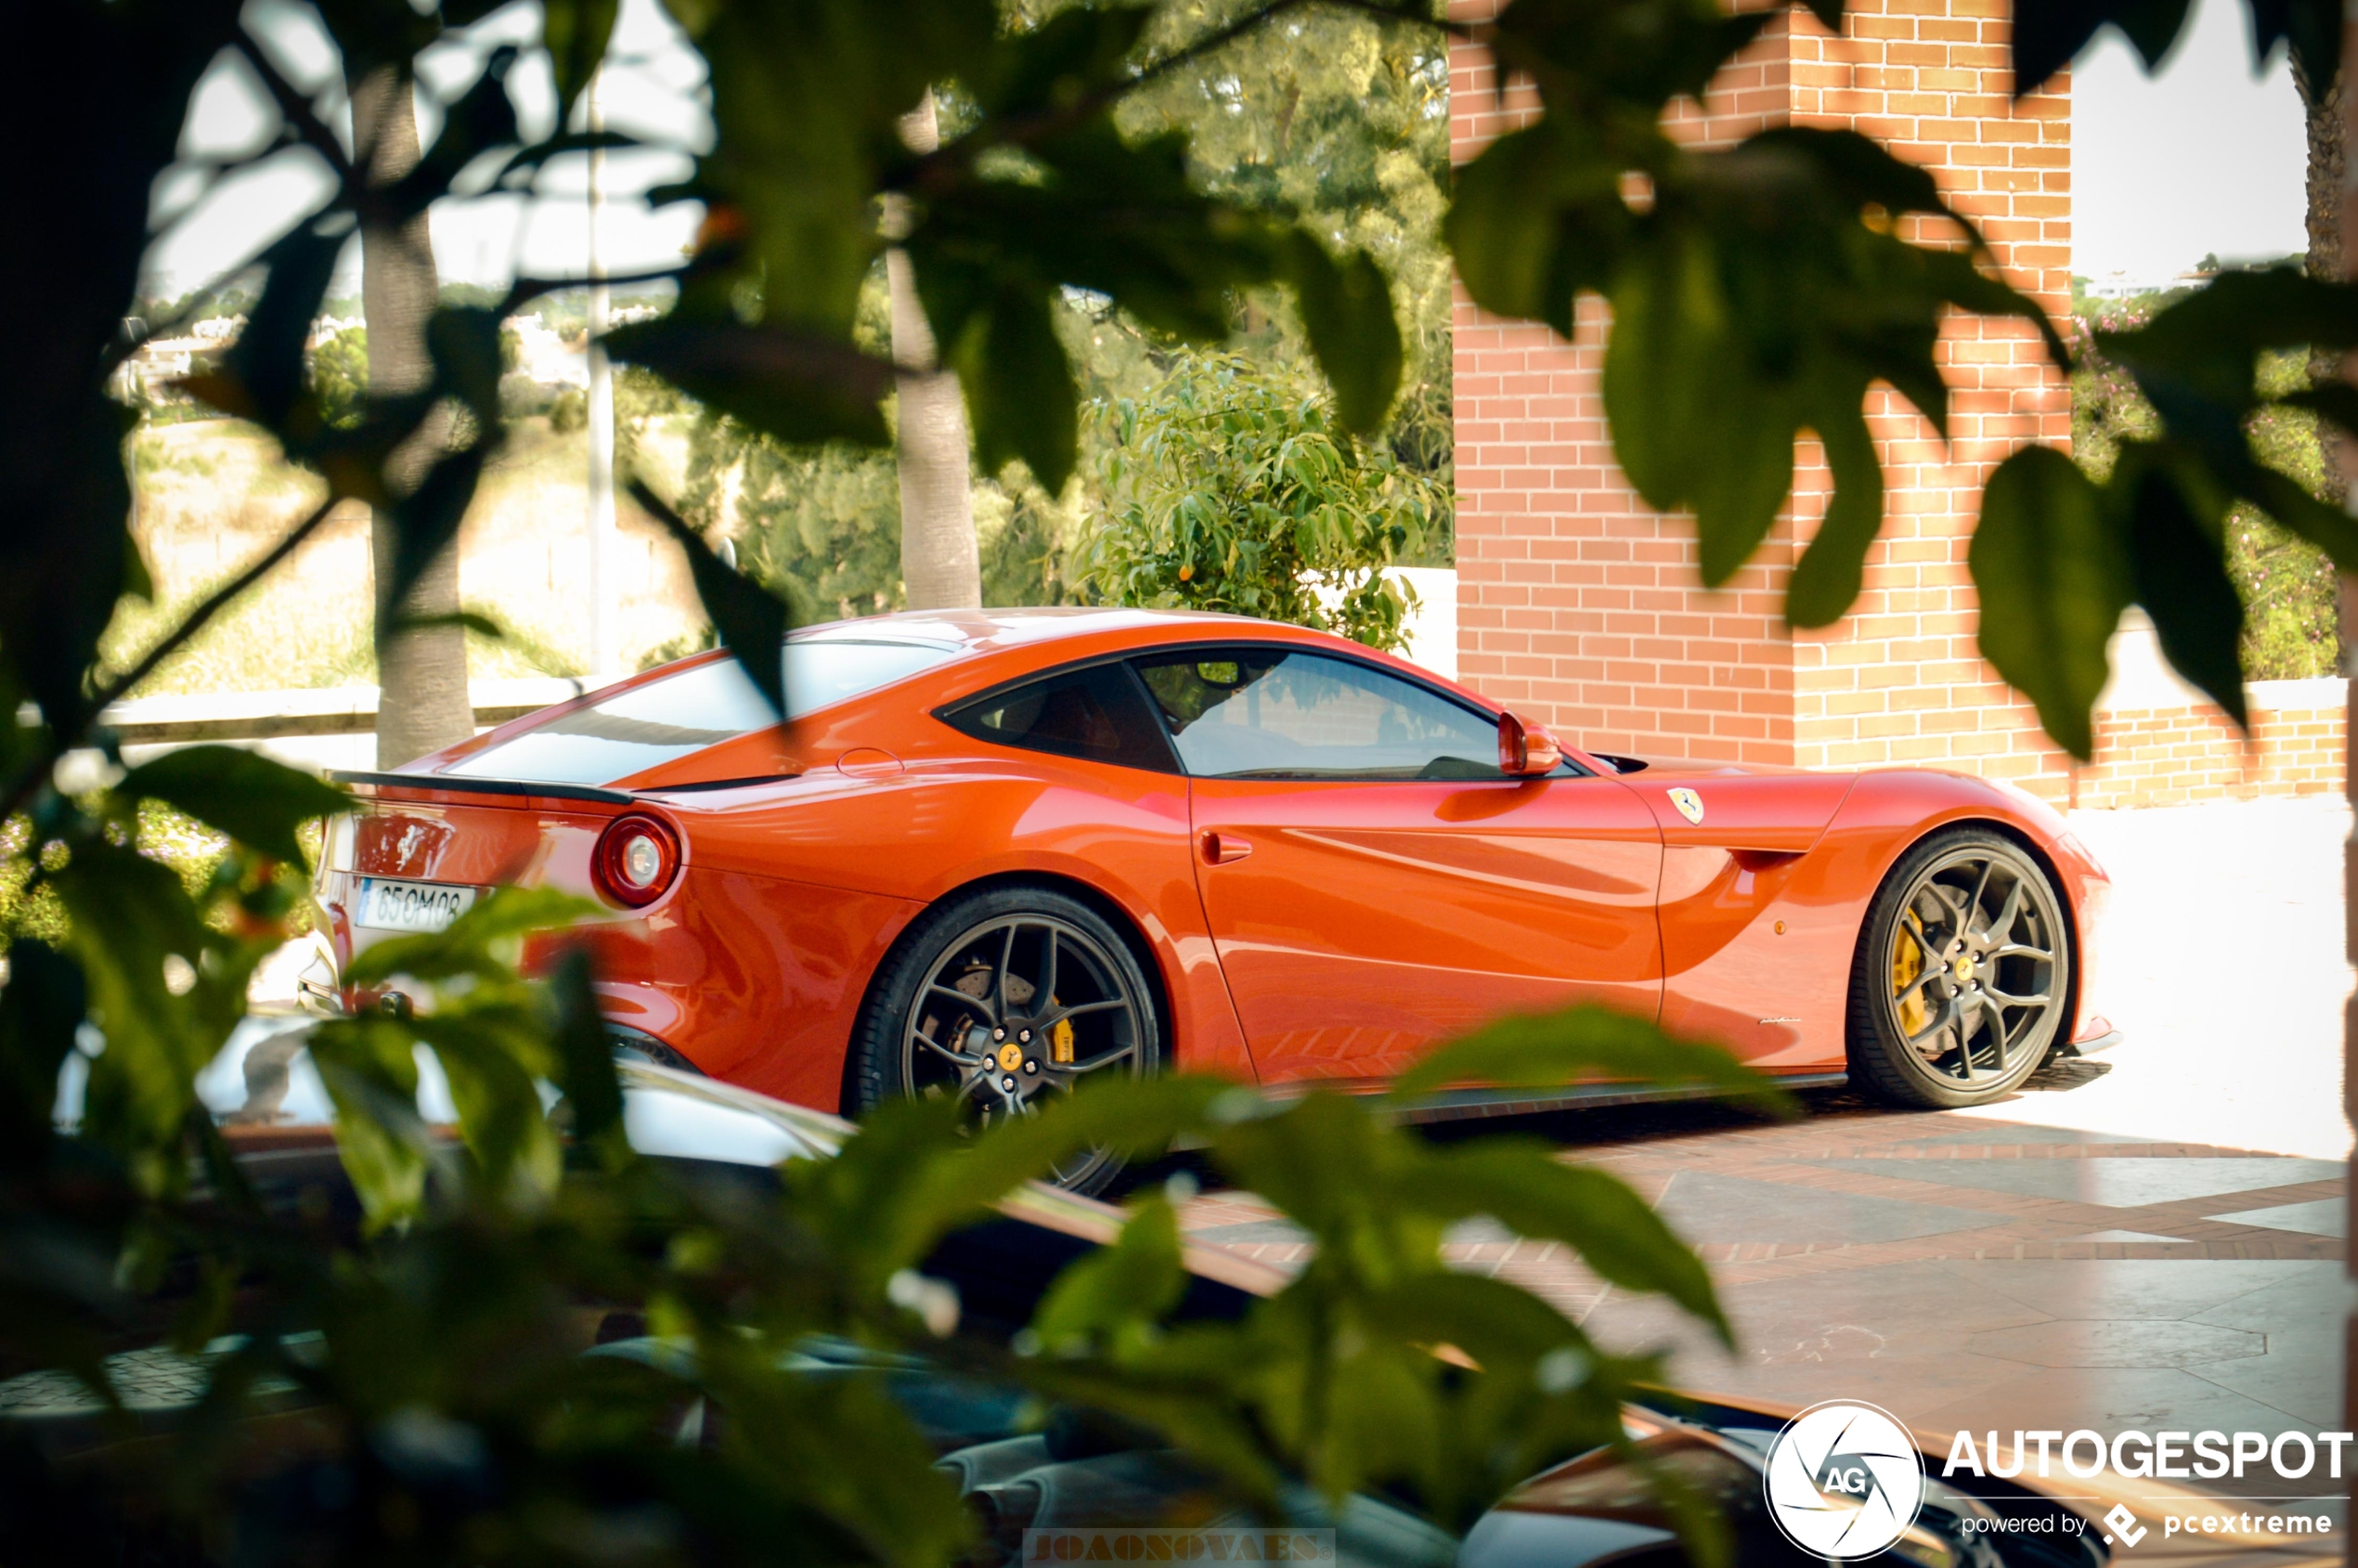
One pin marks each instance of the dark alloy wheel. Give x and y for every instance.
(1964, 973)
(1003, 999)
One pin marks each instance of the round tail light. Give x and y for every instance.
(635, 861)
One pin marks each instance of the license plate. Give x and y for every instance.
(409, 906)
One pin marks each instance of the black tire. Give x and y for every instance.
(1961, 979)
(1099, 999)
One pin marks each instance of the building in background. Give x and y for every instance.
(1582, 607)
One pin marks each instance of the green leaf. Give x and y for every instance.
(464, 341)
(1052, 66)
(1536, 217)
(1825, 584)
(2326, 526)
(1019, 388)
(2182, 583)
(575, 32)
(793, 385)
(256, 801)
(1347, 310)
(263, 372)
(370, 1072)
(2052, 579)
(474, 944)
(426, 520)
(1120, 1290)
(1691, 424)
(2334, 400)
(2048, 37)
(585, 1054)
(41, 1009)
(1525, 1188)
(1545, 1050)
(752, 620)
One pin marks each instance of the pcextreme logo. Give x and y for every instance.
(1844, 1480)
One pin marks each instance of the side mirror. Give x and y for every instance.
(1525, 750)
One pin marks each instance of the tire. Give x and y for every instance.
(1948, 1006)
(941, 987)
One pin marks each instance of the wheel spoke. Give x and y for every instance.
(2003, 927)
(1980, 886)
(2007, 999)
(2017, 950)
(1122, 1055)
(999, 989)
(960, 997)
(1046, 995)
(1940, 1021)
(947, 1055)
(1926, 978)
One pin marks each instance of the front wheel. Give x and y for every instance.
(1963, 973)
(1003, 999)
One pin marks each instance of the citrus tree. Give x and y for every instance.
(1232, 487)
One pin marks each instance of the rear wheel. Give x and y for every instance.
(1003, 999)
(1963, 973)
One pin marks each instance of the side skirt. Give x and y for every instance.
(1458, 1105)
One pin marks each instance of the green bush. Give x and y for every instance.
(2286, 585)
(1231, 487)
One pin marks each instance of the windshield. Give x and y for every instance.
(649, 725)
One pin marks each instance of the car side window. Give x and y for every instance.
(1095, 713)
(1246, 713)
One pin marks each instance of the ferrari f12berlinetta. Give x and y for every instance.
(993, 853)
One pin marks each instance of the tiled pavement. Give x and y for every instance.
(1962, 1271)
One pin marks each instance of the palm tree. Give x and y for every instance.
(940, 562)
(422, 672)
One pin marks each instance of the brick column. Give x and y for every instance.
(1581, 606)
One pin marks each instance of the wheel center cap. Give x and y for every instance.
(1965, 968)
(1010, 1057)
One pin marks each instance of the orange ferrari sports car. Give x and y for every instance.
(993, 852)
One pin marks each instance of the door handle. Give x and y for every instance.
(1223, 849)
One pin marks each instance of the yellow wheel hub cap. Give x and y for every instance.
(1965, 968)
(1010, 1057)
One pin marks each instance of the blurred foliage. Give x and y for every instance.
(2286, 585)
(403, 1389)
(1234, 491)
(340, 375)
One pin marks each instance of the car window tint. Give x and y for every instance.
(1249, 714)
(647, 725)
(1094, 713)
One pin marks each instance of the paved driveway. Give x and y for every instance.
(2151, 1240)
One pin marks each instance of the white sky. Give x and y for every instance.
(2206, 157)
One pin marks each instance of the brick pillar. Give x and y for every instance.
(1583, 607)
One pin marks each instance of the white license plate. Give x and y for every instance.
(409, 906)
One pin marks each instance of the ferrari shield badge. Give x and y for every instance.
(1689, 804)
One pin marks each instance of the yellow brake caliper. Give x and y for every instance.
(1060, 1040)
(1907, 963)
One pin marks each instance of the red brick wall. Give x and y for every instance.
(1580, 605)
(2178, 756)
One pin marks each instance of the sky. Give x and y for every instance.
(2206, 157)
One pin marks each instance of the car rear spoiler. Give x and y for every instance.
(446, 784)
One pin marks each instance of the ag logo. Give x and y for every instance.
(1844, 1481)
(1689, 804)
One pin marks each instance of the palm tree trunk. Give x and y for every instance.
(940, 562)
(421, 675)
